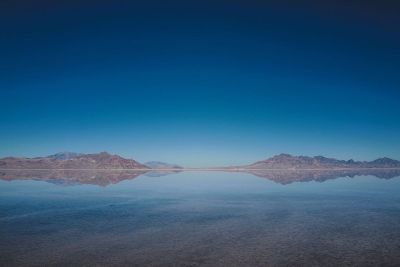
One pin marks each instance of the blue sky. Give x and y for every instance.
(200, 83)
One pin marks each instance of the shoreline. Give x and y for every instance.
(204, 169)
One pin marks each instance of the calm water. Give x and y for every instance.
(200, 219)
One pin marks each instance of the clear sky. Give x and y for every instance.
(200, 83)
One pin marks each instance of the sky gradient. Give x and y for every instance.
(200, 83)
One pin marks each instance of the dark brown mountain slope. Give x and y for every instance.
(101, 160)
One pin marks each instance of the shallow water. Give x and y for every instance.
(200, 219)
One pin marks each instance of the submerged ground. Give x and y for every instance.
(201, 219)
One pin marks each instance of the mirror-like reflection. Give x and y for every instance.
(198, 219)
(108, 177)
(290, 176)
(72, 177)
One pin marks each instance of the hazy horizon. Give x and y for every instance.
(196, 166)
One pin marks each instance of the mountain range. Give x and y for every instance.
(68, 160)
(104, 160)
(286, 161)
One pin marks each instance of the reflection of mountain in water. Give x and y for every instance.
(159, 173)
(71, 177)
(291, 176)
(108, 177)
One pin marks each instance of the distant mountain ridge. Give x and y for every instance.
(287, 161)
(104, 160)
(161, 165)
(69, 160)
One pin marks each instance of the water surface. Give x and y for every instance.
(199, 219)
